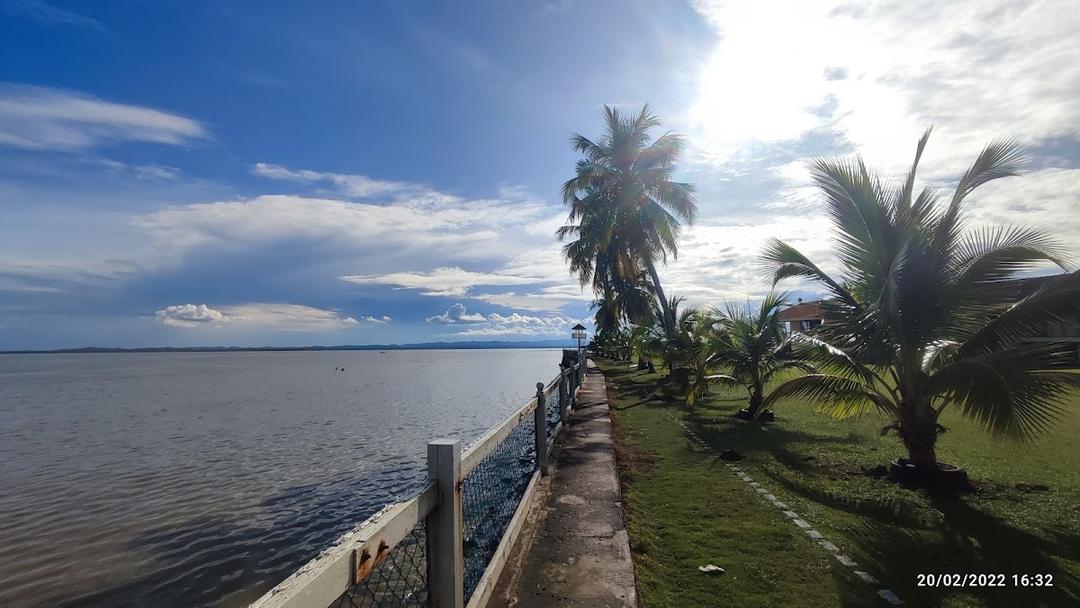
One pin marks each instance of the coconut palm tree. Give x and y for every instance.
(621, 301)
(626, 211)
(924, 316)
(751, 345)
(675, 345)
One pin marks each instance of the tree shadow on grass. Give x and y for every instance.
(747, 437)
(634, 390)
(969, 541)
(898, 539)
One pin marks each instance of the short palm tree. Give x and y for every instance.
(751, 346)
(925, 316)
(675, 345)
(626, 211)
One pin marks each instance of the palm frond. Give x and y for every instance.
(1055, 298)
(785, 261)
(1016, 393)
(838, 396)
(1000, 158)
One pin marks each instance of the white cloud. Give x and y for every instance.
(720, 261)
(351, 185)
(495, 324)
(264, 316)
(1047, 199)
(541, 271)
(445, 281)
(41, 118)
(548, 299)
(449, 226)
(47, 13)
(189, 315)
(878, 73)
(156, 172)
(517, 324)
(456, 314)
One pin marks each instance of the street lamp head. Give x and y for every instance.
(579, 333)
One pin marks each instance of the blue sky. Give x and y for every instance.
(207, 173)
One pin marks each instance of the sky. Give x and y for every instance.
(281, 173)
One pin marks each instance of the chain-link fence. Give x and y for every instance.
(490, 494)
(399, 580)
(552, 412)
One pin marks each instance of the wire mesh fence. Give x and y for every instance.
(490, 494)
(552, 413)
(400, 580)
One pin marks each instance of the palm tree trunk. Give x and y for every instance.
(756, 399)
(919, 432)
(669, 320)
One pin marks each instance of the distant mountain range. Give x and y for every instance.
(230, 349)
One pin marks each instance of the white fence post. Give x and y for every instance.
(446, 559)
(564, 401)
(540, 419)
(573, 385)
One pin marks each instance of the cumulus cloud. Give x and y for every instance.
(456, 314)
(189, 315)
(267, 316)
(40, 118)
(495, 324)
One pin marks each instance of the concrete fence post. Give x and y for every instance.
(564, 401)
(446, 559)
(540, 418)
(576, 383)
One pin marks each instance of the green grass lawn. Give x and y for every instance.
(685, 509)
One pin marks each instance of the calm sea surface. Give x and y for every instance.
(203, 479)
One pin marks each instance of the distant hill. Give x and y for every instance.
(229, 349)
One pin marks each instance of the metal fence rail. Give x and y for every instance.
(445, 547)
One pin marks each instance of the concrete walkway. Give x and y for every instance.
(573, 549)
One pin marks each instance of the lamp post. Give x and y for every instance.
(578, 333)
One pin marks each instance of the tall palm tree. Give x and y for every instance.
(751, 345)
(925, 316)
(626, 211)
(621, 300)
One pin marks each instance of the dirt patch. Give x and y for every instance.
(631, 459)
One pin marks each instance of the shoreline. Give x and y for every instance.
(93, 350)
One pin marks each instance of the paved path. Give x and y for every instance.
(573, 550)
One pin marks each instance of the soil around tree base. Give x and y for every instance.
(948, 477)
(744, 414)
